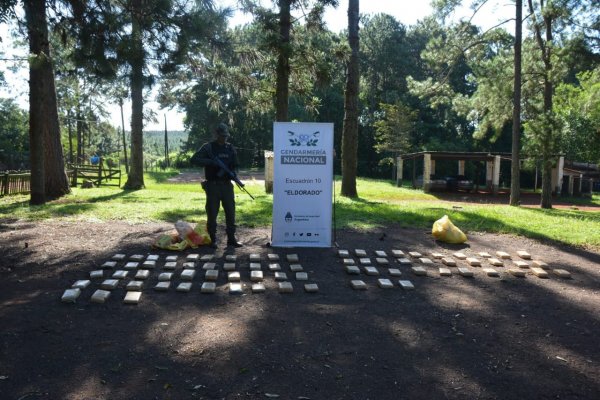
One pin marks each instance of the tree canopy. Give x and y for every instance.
(440, 84)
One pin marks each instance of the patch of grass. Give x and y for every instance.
(159, 201)
(380, 204)
(160, 177)
(583, 201)
(378, 207)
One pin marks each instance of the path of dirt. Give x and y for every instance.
(197, 177)
(457, 338)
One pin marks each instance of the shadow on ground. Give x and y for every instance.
(527, 199)
(497, 338)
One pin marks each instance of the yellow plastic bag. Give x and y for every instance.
(170, 242)
(444, 230)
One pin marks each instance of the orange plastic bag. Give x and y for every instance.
(184, 237)
(199, 236)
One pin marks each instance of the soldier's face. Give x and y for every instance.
(221, 139)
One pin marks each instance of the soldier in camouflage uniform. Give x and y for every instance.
(218, 185)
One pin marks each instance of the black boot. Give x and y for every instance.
(231, 241)
(213, 242)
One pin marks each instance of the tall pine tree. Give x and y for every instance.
(139, 40)
(350, 129)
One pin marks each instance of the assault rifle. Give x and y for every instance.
(233, 176)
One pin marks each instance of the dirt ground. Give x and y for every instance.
(452, 337)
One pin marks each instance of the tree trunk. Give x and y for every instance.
(57, 182)
(545, 45)
(135, 179)
(515, 174)
(70, 128)
(546, 201)
(166, 144)
(123, 134)
(34, 15)
(283, 62)
(79, 126)
(350, 128)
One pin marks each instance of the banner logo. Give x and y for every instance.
(303, 139)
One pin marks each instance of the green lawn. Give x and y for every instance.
(380, 204)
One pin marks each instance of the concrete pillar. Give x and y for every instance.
(399, 170)
(489, 173)
(580, 184)
(269, 169)
(557, 175)
(426, 172)
(591, 187)
(433, 167)
(414, 173)
(570, 185)
(496, 177)
(461, 167)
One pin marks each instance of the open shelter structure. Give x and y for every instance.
(492, 169)
(580, 178)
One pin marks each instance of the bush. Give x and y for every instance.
(182, 160)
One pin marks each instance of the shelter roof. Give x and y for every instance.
(457, 155)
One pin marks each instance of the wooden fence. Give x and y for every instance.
(96, 174)
(15, 183)
(19, 182)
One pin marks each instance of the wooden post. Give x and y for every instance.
(461, 167)
(269, 171)
(570, 185)
(496, 177)
(5, 184)
(399, 170)
(489, 172)
(426, 172)
(414, 173)
(74, 182)
(557, 175)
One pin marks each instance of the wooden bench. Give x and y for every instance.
(97, 174)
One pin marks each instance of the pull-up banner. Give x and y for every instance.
(302, 184)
